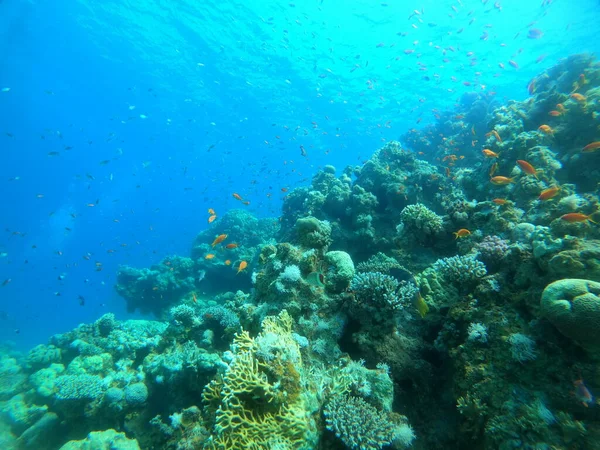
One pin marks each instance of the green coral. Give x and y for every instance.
(378, 263)
(460, 269)
(103, 440)
(12, 377)
(313, 233)
(43, 380)
(573, 306)
(79, 387)
(419, 222)
(340, 270)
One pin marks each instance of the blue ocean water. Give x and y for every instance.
(122, 122)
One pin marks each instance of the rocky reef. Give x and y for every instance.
(446, 293)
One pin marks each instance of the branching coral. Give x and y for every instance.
(361, 426)
(460, 269)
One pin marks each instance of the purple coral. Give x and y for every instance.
(492, 249)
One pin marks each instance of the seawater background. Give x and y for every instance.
(217, 81)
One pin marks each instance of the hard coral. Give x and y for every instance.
(254, 404)
(361, 426)
(460, 269)
(420, 222)
(573, 306)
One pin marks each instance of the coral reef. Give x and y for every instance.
(437, 284)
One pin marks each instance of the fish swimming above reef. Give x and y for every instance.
(527, 167)
(220, 238)
(463, 232)
(489, 153)
(577, 217)
(501, 181)
(549, 193)
(591, 147)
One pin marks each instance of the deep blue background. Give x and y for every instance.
(254, 80)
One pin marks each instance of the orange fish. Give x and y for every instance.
(554, 113)
(546, 129)
(209, 256)
(232, 245)
(578, 97)
(526, 167)
(531, 87)
(500, 201)
(489, 154)
(592, 147)
(220, 238)
(495, 134)
(493, 169)
(242, 266)
(560, 107)
(237, 196)
(227, 262)
(211, 211)
(549, 193)
(576, 217)
(463, 232)
(501, 181)
(212, 218)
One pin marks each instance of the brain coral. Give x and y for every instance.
(573, 306)
(136, 394)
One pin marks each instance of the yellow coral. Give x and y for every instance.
(249, 406)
